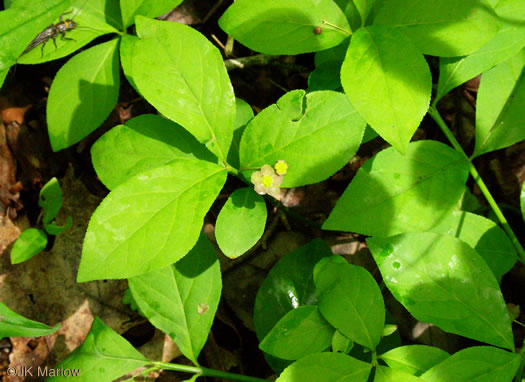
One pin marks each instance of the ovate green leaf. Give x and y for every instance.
(388, 81)
(482, 234)
(14, 325)
(30, 243)
(300, 332)
(315, 134)
(443, 281)
(277, 27)
(104, 356)
(241, 222)
(386, 374)
(500, 105)
(414, 359)
(392, 193)
(145, 142)
(150, 221)
(479, 363)
(148, 8)
(50, 199)
(94, 18)
(442, 28)
(82, 95)
(20, 25)
(326, 367)
(182, 74)
(288, 285)
(509, 40)
(181, 299)
(350, 299)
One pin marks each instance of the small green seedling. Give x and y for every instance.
(34, 240)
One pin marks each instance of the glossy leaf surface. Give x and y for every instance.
(277, 27)
(82, 95)
(316, 134)
(479, 363)
(150, 221)
(14, 325)
(350, 299)
(191, 89)
(241, 222)
(500, 104)
(30, 243)
(326, 367)
(442, 28)
(181, 299)
(300, 332)
(103, 356)
(443, 281)
(143, 143)
(392, 193)
(388, 81)
(414, 359)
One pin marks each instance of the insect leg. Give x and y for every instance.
(63, 37)
(42, 50)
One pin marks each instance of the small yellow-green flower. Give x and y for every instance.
(267, 181)
(281, 167)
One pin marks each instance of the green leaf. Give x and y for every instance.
(414, 359)
(364, 7)
(289, 284)
(326, 367)
(93, 19)
(325, 77)
(127, 51)
(509, 40)
(148, 8)
(241, 222)
(3, 74)
(352, 14)
(150, 221)
(181, 300)
(104, 356)
(82, 95)
(316, 134)
(500, 104)
(7, 3)
(243, 115)
(392, 193)
(388, 81)
(50, 199)
(482, 234)
(350, 300)
(14, 325)
(386, 374)
(145, 142)
(182, 74)
(341, 343)
(478, 363)
(442, 280)
(54, 229)
(442, 28)
(30, 243)
(300, 332)
(19, 26)
(277, 27)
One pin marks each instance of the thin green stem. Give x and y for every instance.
(433, 112)
(205, 372)
(336, 27)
